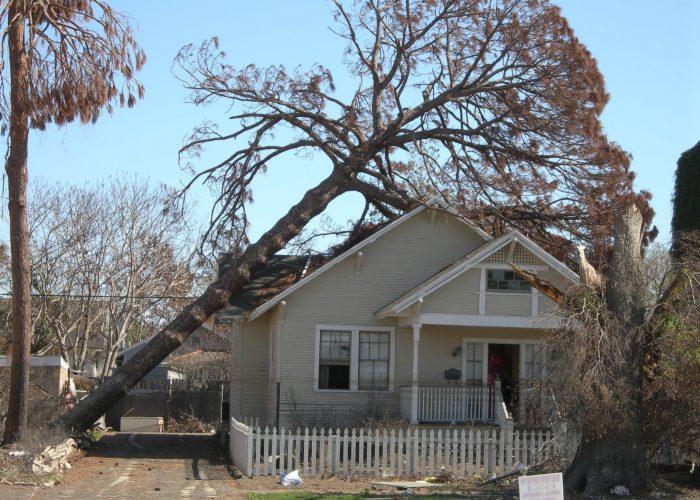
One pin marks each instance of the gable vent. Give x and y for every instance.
(520, 256)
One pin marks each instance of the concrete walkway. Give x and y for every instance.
(143, 466)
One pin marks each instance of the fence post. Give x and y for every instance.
(249, 452)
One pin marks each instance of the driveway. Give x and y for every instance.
(138, 466)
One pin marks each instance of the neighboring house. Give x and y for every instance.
(201, 367)
(199, 359)
(191, 381)
(418, 319)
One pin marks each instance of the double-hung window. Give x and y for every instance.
(334, 360)
(354, 358)
(374, 361)
(473, 362)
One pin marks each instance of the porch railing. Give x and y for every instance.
(450, 404)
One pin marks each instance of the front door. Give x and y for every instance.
(504, 364)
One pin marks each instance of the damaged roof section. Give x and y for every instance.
(280, 272)
(283, 271)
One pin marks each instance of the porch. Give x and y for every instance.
(459, 374)
(451, 404)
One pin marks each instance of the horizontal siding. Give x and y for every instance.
(435, 354)
(438, 343)
(546, 306)
(255, 376)
(508, 304)
(459, 296)
(398, 261)
(236, 382)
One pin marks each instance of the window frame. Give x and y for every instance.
(355, 355)
(511, 291)
(344, 361)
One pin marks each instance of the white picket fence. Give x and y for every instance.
(395, 453)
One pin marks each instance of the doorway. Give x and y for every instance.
(504, 363)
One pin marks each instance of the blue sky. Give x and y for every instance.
(647, 50)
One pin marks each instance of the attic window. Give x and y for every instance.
(505, 281)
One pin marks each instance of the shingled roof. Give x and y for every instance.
(280, 272)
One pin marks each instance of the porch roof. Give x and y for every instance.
(452, 271)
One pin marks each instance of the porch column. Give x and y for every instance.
(414, 390)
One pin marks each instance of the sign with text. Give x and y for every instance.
(541, 487)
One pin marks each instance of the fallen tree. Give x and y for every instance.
(492, 106)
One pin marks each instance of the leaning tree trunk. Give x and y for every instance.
(214, 298)
(16, 169)
(616, 457)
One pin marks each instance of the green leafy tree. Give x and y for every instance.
(686, 199)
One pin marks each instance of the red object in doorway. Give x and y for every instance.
(495, 367)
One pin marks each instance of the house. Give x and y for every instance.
(419, 319)
(197, 361)
(192, 380)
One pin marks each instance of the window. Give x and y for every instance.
(474, 358)
(504, 281)
(355, 358)
(334, 360)
(535, 360)
(374, 361)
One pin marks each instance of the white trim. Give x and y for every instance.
(558, 265)
(354, 361)
(38, 361)
(354, 354)
(527, 267)
(414, 374)
(482, 292)
(484, 360)
(503, 340)
(535, 301)
(540, 322)
(351, 251)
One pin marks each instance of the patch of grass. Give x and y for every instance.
(18, 469)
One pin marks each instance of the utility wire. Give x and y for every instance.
(77, 296)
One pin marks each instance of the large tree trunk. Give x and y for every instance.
(214, 298)
(616, 457)
(16, 169)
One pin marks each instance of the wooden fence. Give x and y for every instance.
(206, 405)
(390, 453)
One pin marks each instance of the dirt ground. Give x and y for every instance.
(196, 466)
